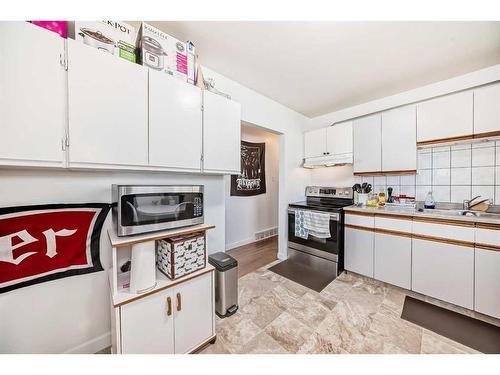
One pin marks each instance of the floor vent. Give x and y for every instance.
(262, 235)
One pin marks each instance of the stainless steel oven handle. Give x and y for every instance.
(334, 217)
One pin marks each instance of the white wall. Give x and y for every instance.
(339, 176)
(247, 215)
(72, 314)
(264, 112)
(342, 176)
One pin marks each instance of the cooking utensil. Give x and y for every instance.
(368, 188)
(357, 188)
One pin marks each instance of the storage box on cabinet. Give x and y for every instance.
(32, 96)
(177, 257)
(174, 320)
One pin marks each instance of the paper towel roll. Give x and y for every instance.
(143, 267)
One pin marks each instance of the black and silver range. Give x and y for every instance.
(324, 253)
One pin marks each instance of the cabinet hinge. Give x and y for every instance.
(202, 108)
(201, 157)
(67, 140)
(63, 61)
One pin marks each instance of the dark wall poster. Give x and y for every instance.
(252, 180)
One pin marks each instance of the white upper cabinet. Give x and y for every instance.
(175, 123)
(367, 135)
(108, 109)
(487, 109)
(399, 143)
(339, 138)
(32, 95)
(315, 143)
(221, 134)
(447, 117)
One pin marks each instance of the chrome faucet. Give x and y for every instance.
(466, 203)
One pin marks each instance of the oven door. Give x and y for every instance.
(150, 208)
(328, 248)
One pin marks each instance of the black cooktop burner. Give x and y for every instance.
(323, 205)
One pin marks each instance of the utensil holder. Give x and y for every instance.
(362, 198)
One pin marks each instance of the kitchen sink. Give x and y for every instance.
(451, 212)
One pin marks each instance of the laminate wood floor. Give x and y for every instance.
(253, 256)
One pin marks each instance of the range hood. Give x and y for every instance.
(328, 161)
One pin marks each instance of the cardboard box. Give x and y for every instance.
(163, 52)
(191, 63)
(114, 37)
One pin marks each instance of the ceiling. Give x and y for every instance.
(320, 67)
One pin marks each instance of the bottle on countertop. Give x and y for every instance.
(390, 198)
(429, 201)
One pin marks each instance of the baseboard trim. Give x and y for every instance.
(91, 346)
(247, 241)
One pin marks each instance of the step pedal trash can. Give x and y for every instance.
(226, 283)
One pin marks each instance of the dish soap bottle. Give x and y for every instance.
(429, 201)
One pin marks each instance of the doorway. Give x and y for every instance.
(251, 222)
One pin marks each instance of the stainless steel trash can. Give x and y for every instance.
(226, 283)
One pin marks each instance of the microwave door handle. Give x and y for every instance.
(134, 212)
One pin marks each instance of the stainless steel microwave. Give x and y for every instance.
(148, 208)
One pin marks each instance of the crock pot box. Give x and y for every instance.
(114, 37)
(163, 52)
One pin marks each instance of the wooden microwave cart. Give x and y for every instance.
(175, 317)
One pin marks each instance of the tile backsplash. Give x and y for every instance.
(452, 173)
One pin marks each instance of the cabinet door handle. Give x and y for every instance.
(179, 302)
(169, 306)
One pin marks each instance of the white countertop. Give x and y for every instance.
(438, 214)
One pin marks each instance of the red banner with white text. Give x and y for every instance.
(48, 242)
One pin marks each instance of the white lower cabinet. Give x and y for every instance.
(174, 320)
(443, 271)
(487, 282)
(193, 313)
(392, 259)
(146, 326)
(358, 253)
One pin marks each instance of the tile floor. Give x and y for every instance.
(351, 315)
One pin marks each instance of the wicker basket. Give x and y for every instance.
(180, 256)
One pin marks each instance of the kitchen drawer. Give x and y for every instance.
(488, 236)
(451, 232)
(360, 220)
(394, 224)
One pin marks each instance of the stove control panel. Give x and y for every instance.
(329, 192)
